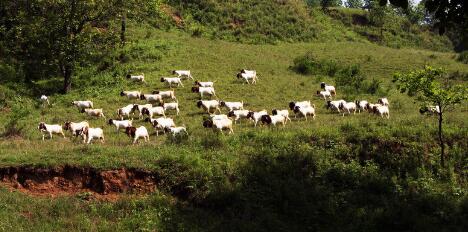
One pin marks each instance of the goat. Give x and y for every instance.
(50, 129)
(120, 124)
(137, 78)
(222, 124)
(209, 105)
(94, 112)
(182, 73)
(172, 80)
(329, 88)
(137, 133)
(131, 94)
(304, 111)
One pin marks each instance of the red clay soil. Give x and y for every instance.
(69, 180)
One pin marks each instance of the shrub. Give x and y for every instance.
(463, 57)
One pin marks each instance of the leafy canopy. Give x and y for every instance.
(423, 84)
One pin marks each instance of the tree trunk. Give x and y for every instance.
(67, 76)
(123, 28)
(441, 141)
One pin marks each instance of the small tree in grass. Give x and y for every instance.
(424, 86)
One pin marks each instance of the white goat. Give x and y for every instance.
(92, 133)
(347, 107)
(137, 78)
(50, 129)
(120, 124)
(171, 106)
(222, 124)
(94, 112)
(182, 73)
(83, 104)
(209, 105)
(136, 133)
(166, 94)
(256, 116)
(204, 84)
(204, 91)
(172, 80)
(232, 105)
(131, 94)
(304, 111)
(238, 114)
(158, 110)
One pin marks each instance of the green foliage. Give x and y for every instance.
(463, 57)
(354, 3)
(348, 79)
(330, 3)
(423, 84)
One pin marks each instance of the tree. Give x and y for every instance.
(377, 15)
(330, 3)
(48, 37)
(354, 3)
(424, 86)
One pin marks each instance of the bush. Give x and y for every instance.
(463, 57)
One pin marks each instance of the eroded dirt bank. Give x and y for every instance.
(70, 180)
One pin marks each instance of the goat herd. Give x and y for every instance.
(220, 122)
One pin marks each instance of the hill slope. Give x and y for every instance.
(357, 172)
(260, 21)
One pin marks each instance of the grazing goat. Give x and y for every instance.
(222, 124)
(83, 104)
(152, 98)
(209, 105)
(125, 111)
(204, 91)
(347, 107)
(218, 116)
(137, 133)
(247, 77)
(158, 110)
(120, 124)
(50, 129)
(232, 105)
(44, 99)
(176, 130)
(171, 106)
(325, 94)
(139, 108)
(370, 107)
(166, 94)
(430, 110)
(89, 134)
(382, 111)
(329, 88)
(172, 80)
(383, 101)
(273, 119)
(182, 73)
(284, 113)
(361, 105)
(335, 105)
(75, 126)
(204, 84)
(131, 94)
(304, 111)
(256, 116)
(161, 123)
(238, 114)
(94, 112)
(137, 78)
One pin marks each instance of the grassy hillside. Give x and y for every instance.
(264, 21)
(356, 172)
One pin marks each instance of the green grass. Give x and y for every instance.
(239, 180)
